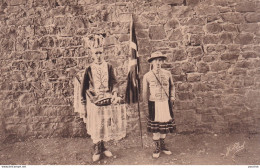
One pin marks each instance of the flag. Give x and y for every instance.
(133, 81)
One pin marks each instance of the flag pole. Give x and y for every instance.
(140, 123)
(138, 90)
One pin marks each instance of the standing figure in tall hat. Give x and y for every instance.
(105, 117)
(158, 90)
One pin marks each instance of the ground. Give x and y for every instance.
(189, 149)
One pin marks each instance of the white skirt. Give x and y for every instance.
(162, 111)
(106, 122)
(103, 122)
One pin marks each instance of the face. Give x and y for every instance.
(98, 57)
(157, 63)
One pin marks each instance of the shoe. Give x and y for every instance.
(107, 153)
(96, 157)
(97, 152)
(163, 147)
(104, 150)
(157, 150)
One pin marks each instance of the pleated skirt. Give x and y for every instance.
(162, 122)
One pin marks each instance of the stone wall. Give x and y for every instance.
(212, 48)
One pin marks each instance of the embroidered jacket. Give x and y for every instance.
(98, 79)
(152, 89)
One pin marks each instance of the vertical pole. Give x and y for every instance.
(139, 114)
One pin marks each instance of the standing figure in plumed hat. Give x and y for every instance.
(158, 90)
(105, 117)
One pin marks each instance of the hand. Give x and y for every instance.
(117, 100)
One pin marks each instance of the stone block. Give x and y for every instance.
(58, 101)
(157, 33)
(212, 18)
(225, 10)
(213, 28)
(193, 21)
(194, 51)
(34, 55)
(229, 56)
(252, 17)
(185, 96)
(193, 77)
(202, 67)
(230, 27)
(87, 2)
(141, 25)
(66, 3)
(194, 30)
(244, 39)
(249, 28)
(205, 118)
(219, 66)
(239, 71)
(215, 49)
(207, 10)
(124, 38)
(110, 41)
(176, 35)
(185, 105)
(244, 64)
(172, 2)
(246, 7)
(211, 39)
(176, 69)
(183, 87)
(142, 34)
(247, 55)
(192, 2)
(201, 87)
(16, 2)
(178, 55)
(180, 78)
(212, 101)
(237, 83)
(226, 38)
(236, 18)
(188, 67)
(159, 45)
(234, 48)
